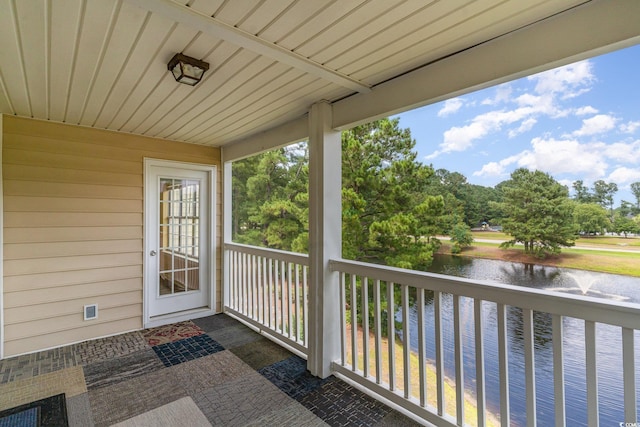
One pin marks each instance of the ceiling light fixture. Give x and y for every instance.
(186, 69)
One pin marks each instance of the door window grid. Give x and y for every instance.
(179, 235)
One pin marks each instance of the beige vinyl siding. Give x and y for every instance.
(73, 229)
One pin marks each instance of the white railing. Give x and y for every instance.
(463, 315)
(268, 289)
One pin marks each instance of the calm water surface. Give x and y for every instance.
(609, 341)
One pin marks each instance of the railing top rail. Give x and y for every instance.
(581, 307)
(298, 258)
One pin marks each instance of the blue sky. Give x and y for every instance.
(580, 121)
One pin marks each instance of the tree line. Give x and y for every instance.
(394, 206)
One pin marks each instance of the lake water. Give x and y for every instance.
(609, 341)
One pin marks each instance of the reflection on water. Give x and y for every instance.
(600, 285)
(609, 340)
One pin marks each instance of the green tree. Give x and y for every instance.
(603, 193)
(270, 200)
(581, 192)
(461, 237)
(386, 215)
(537, 212)
(625, 225)
(477, 206)
(590, 218)
(635, 189)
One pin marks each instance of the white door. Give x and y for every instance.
(179, 261)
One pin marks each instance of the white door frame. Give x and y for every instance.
(210, 261)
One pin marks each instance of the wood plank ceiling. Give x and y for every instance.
(102, 63)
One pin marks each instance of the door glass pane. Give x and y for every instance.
(179, 234)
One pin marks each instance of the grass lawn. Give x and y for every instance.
(611, 242)
(593, 260)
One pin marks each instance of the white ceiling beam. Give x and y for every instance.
(216, 28)
(280, 136)
(590, 29)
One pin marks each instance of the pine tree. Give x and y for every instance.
(537, 212)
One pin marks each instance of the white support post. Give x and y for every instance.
(325, 239)
(227, 195)
(1, 248)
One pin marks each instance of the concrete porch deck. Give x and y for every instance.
(209, 371)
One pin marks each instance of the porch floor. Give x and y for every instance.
(209, 371)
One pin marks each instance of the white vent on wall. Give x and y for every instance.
(91, 312)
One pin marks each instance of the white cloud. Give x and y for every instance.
(460, 138)
(563, 156)
(624, 175)
(490, 169)
(497, 168)
(590, 161)
(450, 106)
(624, 152)
(563, 82)
(595, 125)
(568, 81)
(525, 126)
(583, 111)
(630, 127)
(503, 95)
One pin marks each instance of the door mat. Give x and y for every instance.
(48, 412)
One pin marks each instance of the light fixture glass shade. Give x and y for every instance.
(187, 70)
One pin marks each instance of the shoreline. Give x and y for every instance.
(470, 406)
(624, 263)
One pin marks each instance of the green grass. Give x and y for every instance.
(610, 241)
(609, 261)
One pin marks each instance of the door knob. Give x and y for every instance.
(153, 253)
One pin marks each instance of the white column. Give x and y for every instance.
(227, 194)
(325, 239)
(1, 247)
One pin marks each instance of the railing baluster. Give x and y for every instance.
(264, 291)
(252, 285)
(459, 360)
(270, 294)
(296, 302)
(437, 308)
(481, 403)
(289, 304)
(629, 370)
(343, 317)
(232, 280)
(354, 324)
(529, 366)
(406, 342)
(391, 334)
(592, 373)
(281, 279)
(256, 287)
(422, 357)
(378, 330)
(558, 370)
(305, 306)
(503, 363)
(244, 283)
(365, 326)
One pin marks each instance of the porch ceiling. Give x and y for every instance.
(102, 63)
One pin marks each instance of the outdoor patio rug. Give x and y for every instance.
(69, 381)
(170, 333)
(182, 412)
(47, 412)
